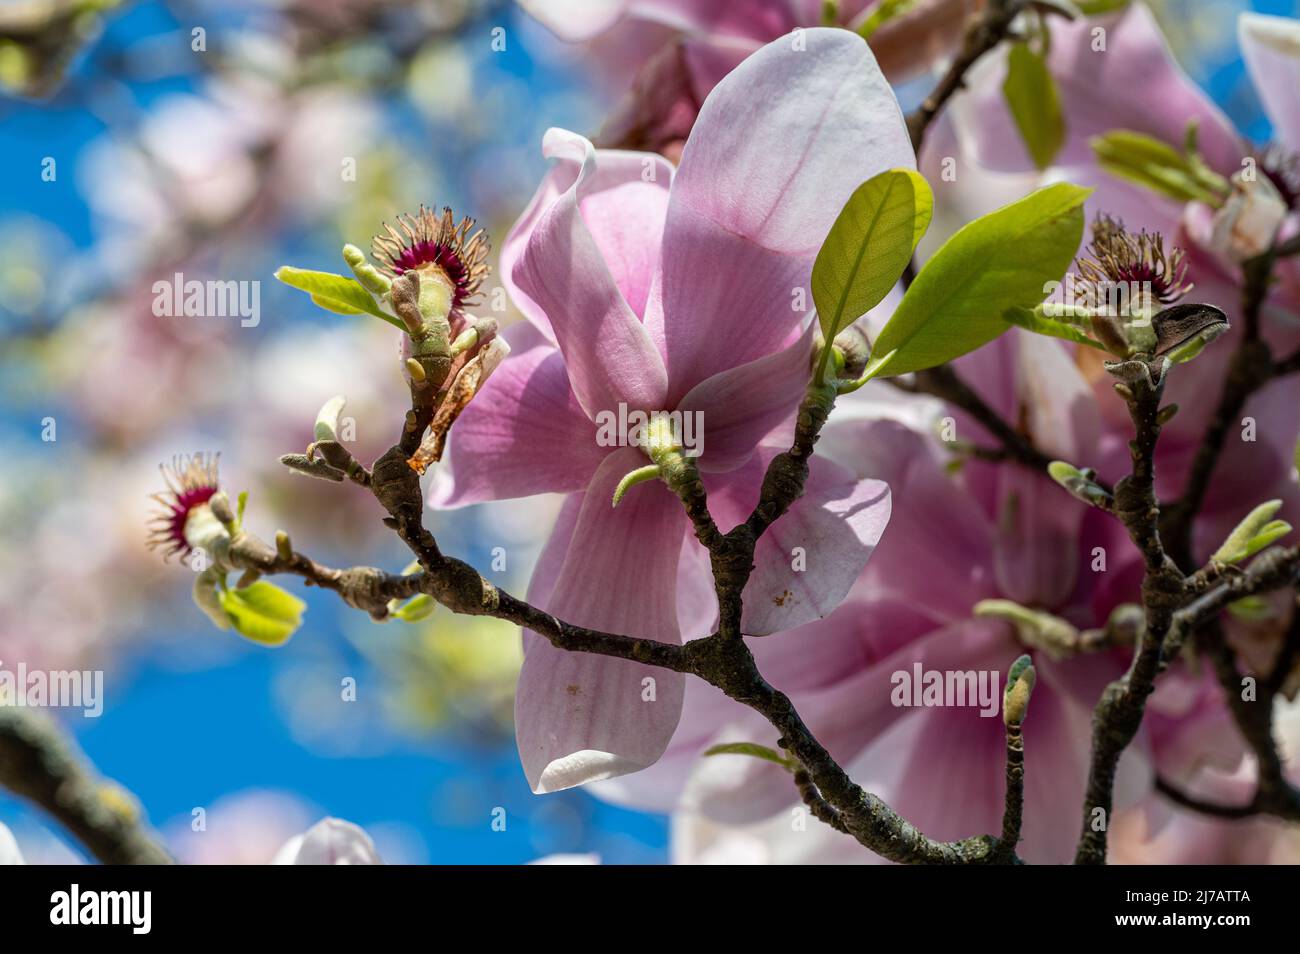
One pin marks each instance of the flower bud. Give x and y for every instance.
(327, 420)
(1020, 686)
(1256, 531)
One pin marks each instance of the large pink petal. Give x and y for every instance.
(852, 713)
(580, 717)
(564, 272)
(938, 551)
(1038, 525)
(523, 433)
(1271, 48)
(807, 561)
(778, 147)
(740, 406)
(623, 203)
(1037, 556)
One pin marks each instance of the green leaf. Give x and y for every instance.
(418, 607)
(1254, 609)
(336, 293)
(1092, 8)
(263, 613)
(1003, 260)
(752, 749)
(1035, 105)
(882, 13)
(868, 247)
(1256, 531)
(1158, 166)
(1040, 325)
(337, 307)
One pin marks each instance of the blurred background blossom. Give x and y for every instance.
(219, 140)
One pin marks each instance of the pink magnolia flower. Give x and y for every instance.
(653, 289)
(1134, 83)
(331, 841)
(673, 52)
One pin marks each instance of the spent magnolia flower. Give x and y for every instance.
(436, 246)
(1118, 257)
(184, 518)
(654, 289)
(331, 841)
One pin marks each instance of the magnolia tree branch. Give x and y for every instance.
(1175, 605)
(946, 384)
(721, 658)
(1251, 368)
(1118, 713)
(1013, 810)
(37, 763)
(985, 33)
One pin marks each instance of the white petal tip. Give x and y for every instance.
(589, 765)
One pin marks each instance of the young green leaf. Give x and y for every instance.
(1035, 105)
(336, 293)
(1093, 8)
(868, 247)
(1158, 166)
(1030, 320)
(1003, 260)
(263, 613)
(752, 749)
(881, 14)
(418, 607)
(1256, 531)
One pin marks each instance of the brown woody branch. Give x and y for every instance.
(38, 764)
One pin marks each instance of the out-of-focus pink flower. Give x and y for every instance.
(331, 841)
(657, 289)
(1157, 832)
(9, 853)
(245, 828)
(1134, 83)
(673, 52)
